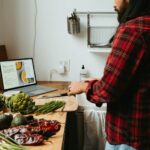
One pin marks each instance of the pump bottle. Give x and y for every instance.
(83, 73)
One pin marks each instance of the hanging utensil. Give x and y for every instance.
(73, 24)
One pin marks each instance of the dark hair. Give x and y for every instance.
(135, 9)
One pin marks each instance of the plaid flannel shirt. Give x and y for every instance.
(125, 85)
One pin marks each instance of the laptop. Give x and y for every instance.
(19, 75)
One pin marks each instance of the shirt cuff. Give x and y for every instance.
(90, 93)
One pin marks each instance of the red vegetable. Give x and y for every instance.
(34, 133)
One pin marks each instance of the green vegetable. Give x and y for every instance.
(19, 120)
(2, 101)
(5, 121)
(51, 106)
(7, 143)
(21, 102)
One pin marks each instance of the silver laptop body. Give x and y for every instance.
(19, 75)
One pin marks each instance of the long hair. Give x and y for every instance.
(136, 8)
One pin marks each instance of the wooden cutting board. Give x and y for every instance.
(71, 102)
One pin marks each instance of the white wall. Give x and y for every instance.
(53, 43)
(19, 27)
(1, 23)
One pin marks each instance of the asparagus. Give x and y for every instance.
(50, 106)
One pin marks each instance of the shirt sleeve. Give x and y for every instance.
(121, 66)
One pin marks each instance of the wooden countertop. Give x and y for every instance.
(55, 142)
(56, 84)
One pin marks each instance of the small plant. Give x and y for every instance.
(2, 102)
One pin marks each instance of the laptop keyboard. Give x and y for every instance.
(35, 89)
(31, 88)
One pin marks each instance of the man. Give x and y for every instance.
(125, 84)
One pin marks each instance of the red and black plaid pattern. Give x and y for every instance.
(125, 86)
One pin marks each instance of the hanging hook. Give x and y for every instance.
(74, 11)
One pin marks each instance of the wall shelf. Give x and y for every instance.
(100, 50)
(99, 34)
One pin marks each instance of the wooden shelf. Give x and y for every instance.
(100, 50)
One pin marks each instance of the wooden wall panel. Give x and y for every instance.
(3, 53)
(3, 56)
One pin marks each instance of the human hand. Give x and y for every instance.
(77, 88)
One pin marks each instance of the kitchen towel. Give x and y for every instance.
(94, 130)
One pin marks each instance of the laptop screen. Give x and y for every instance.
(17, 73)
